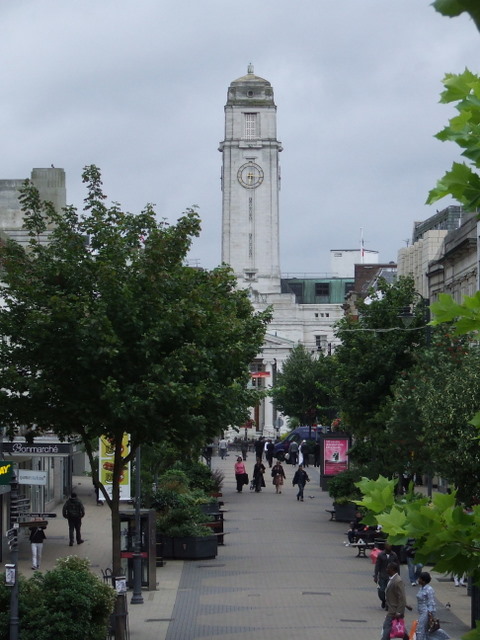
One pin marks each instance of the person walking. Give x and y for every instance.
(244, 448)
(293, 453)
(316, 454)
(278, 475)
(74, 511)
(459, 580)
(37, 536)
(414, 568)
(269, 447)
(380, 574)
(222, 448)
(259, 447)
(304, 453)
(426, 607)
(300, 479)
(394, 598)
(240, 474)
(258, 472)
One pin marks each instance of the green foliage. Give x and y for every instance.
(174, 480)
(68, 602)
(446, 534)
(342, 487)
(453, 8)
(462, 181)
(303, 387)
(375, 350)
(118, 335)
(183, 521)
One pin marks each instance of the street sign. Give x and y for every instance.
(27, 476)
(12, 538)
(20, 502)
(41, 515)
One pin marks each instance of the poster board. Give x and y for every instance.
(105, 466)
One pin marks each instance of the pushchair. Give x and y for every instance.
(252, 484)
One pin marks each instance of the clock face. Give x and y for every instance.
(250, 175)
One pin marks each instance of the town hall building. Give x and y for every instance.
(304, 309)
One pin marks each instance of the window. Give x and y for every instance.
(297, 289)
(321, 342)
(250, 126)
(349, 286)
(322, 288)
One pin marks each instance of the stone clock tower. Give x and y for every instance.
(250, 184)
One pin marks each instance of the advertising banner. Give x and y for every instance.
(105, 466)
(335, 456)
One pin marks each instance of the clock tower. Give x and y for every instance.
(251, 184)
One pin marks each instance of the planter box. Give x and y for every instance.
(345, 512)
(195, 547)
(210, 507)
(164, 546)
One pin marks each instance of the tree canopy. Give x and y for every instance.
(106, 331)
(303, 389)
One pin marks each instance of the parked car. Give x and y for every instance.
(297, 435)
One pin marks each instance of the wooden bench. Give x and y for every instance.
(332, 513)
(362, 547)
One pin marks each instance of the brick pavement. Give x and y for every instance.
(283, 571)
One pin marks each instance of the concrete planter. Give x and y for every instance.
(164, 546)
(195, 547)
(345, 512)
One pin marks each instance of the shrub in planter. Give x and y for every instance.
(183, 521)
(68, 602)
(342, 489)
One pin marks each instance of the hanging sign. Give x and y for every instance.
(105, 466)
(26, 476)
(6, 472)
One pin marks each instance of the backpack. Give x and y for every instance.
(73, 509)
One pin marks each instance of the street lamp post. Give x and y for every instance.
(137, 597)
(14, 620)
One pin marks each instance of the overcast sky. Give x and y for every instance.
(138, 88)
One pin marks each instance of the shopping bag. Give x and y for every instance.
(373, 554)
(433, 623)
(397, 630)
(413, 631)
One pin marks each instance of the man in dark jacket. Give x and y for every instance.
(300, 479)
(73, 511)
(380, 575)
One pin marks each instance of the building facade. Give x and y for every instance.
(304, 309)
(45, 466)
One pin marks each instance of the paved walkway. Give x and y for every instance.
(283, 572)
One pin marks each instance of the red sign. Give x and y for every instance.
(260, 374)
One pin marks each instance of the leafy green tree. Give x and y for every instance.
(431, 406)
(303, 388)
(106, 331)
(68, 602)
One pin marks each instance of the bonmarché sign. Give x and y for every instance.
(38, 448)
